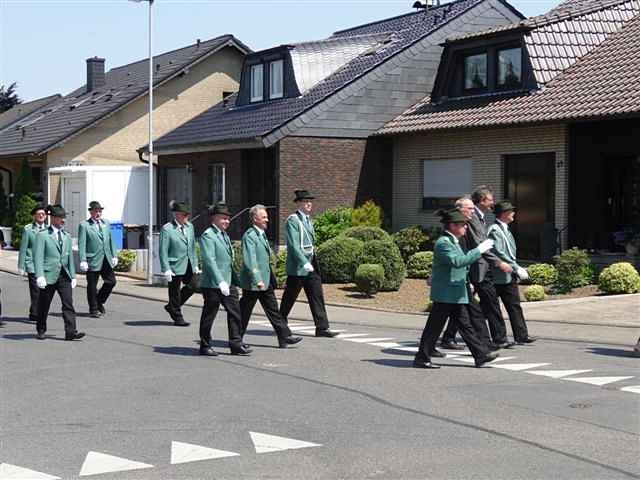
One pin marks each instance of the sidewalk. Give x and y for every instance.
(608, 320)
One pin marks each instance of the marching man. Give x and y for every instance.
(25, 258)
(98, 256)
(178, 260)
(302, 266)
(55, 272)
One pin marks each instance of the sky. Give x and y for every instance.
(44, 43)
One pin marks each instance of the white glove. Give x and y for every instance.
(224, 288)
(84, 266)
(42, 282)
(168, 275)
(522, 273)
(114, 261)
(197, 271)
(308, 267)
(22, 273)
(74, 283)
(485, 246)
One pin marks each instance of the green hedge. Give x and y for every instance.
(331, 223)
(574, 269)
(338, 259)
(419, 265)
(542, 274)
(369, 278)
(367, 215)
(619, 278)
(534, 293)
(385, 253)
(411, 240)
(366, 234)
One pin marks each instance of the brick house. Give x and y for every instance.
(547, 112)
(305, 114)
(104, 122)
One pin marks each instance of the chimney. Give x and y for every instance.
(95, 74)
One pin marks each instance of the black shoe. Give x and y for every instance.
(240, 350)
(437, 354)
(95, 314)
(101, 309)
(489, 357)
(40, 336)
(451, 346)
(493, 347)
(181, 323)
(325, 333)
(425, 364)
(526, 340)
(290, 340)
(503, 344)
(74, 336)
(207, 351)
(246, 345)
(167, 309)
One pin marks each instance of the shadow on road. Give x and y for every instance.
(182, 351)
(385, 362)
(261, 333)
(148, 323)
(17, 320)
(30, 336)
(78, 314)
(612, 352)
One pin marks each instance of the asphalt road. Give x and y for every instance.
(135, 386)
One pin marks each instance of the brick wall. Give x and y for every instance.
(486, 148)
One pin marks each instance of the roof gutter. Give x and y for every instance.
(239, 144)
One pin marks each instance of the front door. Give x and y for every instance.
(74, 203)
(530, 185)
(622, 197)
(176, 186)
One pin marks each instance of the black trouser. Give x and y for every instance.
(435, 323)
(511, 299)
(478, 322)
(34, 294)
(491, 309)
(312, 285)
(269, 304)
(94, 297)
(178, 296)
(63, 287)
(212, 299)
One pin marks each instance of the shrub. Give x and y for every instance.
(366, 234)
(618, 278)
(410, 240)
(534, 293)
(419, 265)
(23, 216)
(428, 306)
(278, 265)
(331, 223)
(542, 274)
(385, 253)
(237, 256)
(433, 233)
(574, 269)
(338, 259)
(369, 278)
(125, 260)
(367, 215)
(24, 182)
(4, 206)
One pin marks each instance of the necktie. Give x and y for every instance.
(60, 238)
(182, 230)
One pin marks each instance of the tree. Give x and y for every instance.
(4, 205)
(8, 98)
(23, 216)
(24, 183)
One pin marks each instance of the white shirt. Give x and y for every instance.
(259, 230)
(480, 213)
(305, 216)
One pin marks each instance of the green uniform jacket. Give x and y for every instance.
(217, 258)
(50, 259)
(504, 248)
(300, 239)
(176, 249)
(256, 254)
(450, 271)
(95, 245)
(25, 258)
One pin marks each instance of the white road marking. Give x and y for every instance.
(352, 335)
(407, 349)
(96, 463)
(367, 340)
(13, 472)
(386, 344)
(264, 443)
(632, 389)
(303, 329)
(516, 367)
(188, 452)
(557, 373)
(599, 381)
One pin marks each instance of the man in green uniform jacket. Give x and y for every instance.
(98, 256)
(217, 283)
(302, 267)
(25, 258)
(257, 279)
(55, 272)
(449, 291)
(178, 260)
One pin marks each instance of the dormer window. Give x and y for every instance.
(276, 79)
(257, 83)
(475, 72)
(509, 68)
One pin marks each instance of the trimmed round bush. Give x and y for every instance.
(574, 269)
(338, 259)
(619, 278)
(125, 260)
(542, 274)
(419, 265)
(410, 240)
(534, 293)
(369, 278)
(385, 253)
(366, 234)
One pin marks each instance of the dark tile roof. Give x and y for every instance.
(23, 109)
(603, 84)
(229, 124)
(47, 127)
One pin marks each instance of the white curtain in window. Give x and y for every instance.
(256, 83)
(275, 79)
(447, 178)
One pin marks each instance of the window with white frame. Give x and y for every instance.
(257, 85)
(216, 182)
(276, 79)
(444, 181)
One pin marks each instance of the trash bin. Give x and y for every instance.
(117, 232)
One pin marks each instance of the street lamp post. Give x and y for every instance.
(150, 238)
